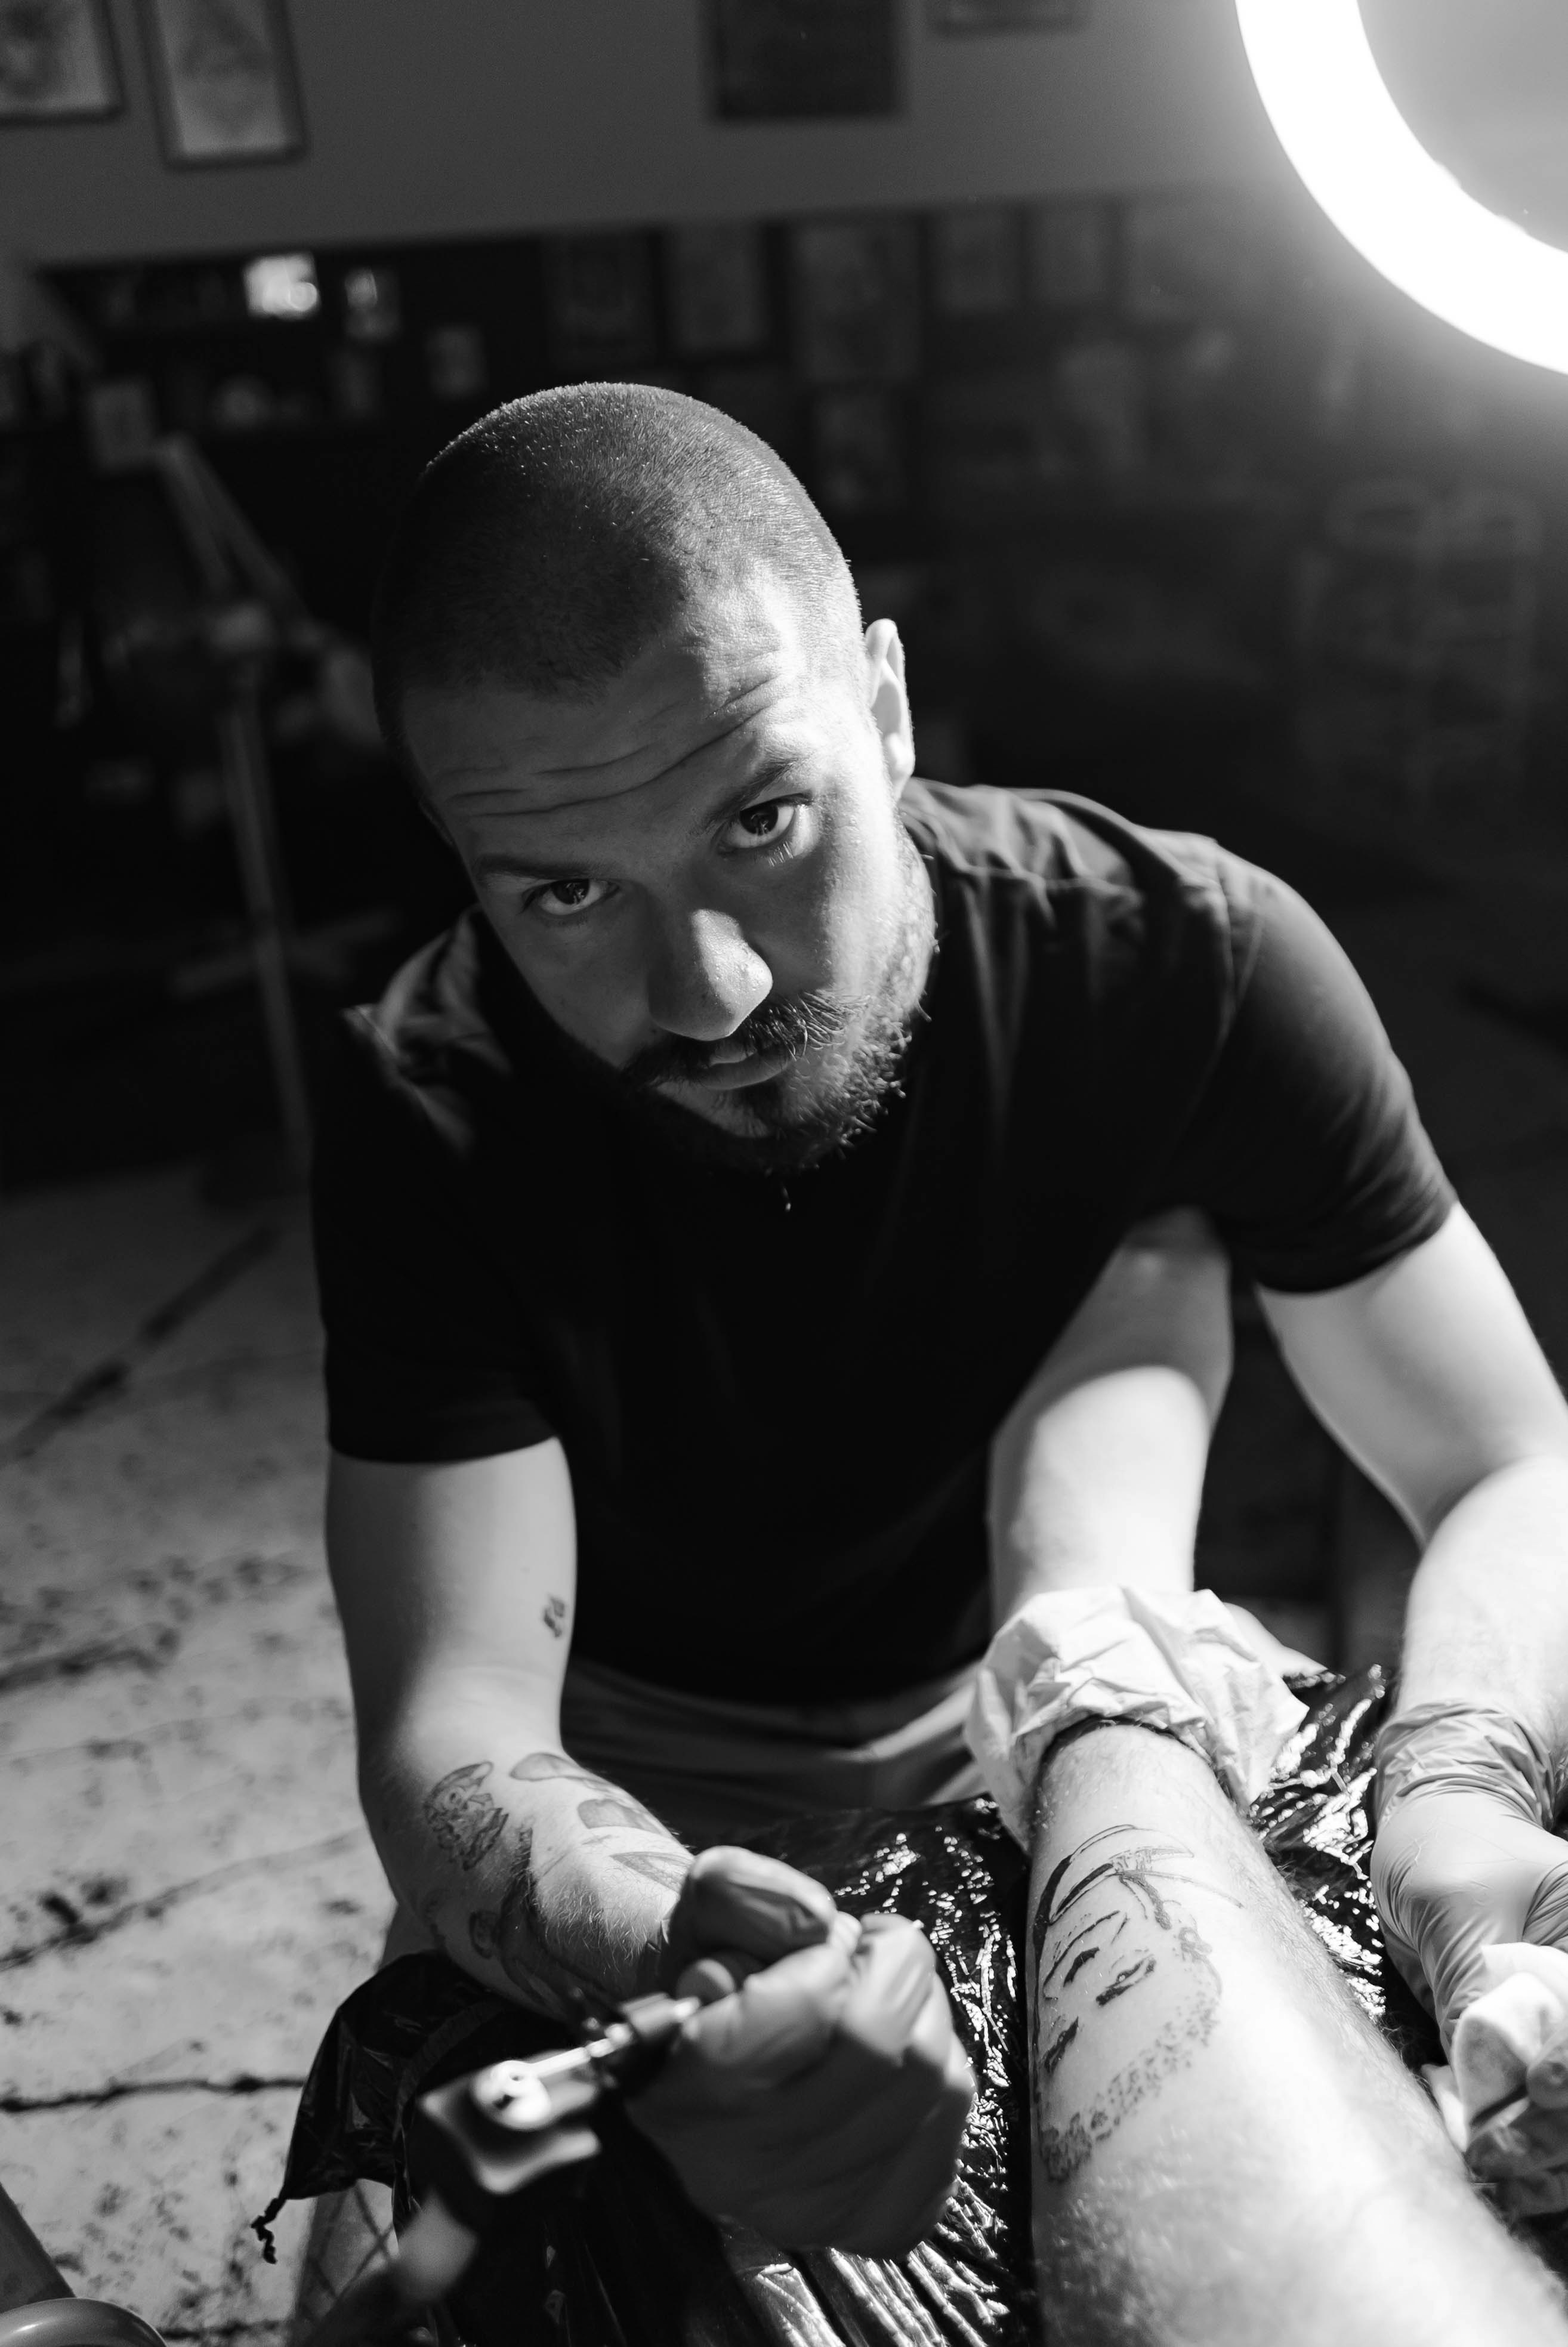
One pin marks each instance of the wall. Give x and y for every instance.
(481, 117)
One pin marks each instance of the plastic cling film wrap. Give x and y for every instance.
(1178, 1663)
(623, 2260)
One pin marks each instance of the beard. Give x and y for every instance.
(847, 1057)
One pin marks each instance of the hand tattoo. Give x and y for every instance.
(465, 1820)
(1108, 1920)
(554, 1617)
(540, 1948)
(558, 1953)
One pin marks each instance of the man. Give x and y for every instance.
(693, 1222)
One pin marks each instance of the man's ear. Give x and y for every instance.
(888, 699)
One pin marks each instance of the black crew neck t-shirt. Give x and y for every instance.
(776, 1397)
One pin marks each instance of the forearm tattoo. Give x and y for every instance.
(605, 1808)
(544, 1946)
(466, 1821)
(1109, 1921)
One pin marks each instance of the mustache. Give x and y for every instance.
(795, 1023)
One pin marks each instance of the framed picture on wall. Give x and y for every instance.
(857, 449)
(856, 298)
(57, 61)
(716, 282)
(976, 262)
(599, 295)
(1070, 253)
(801, 60)
(223, 80)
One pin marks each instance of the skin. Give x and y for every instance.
(1110, 1924)
(1224, 2150)
(713, 830)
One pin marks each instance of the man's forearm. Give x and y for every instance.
(538, 1877)
(1225, 2152)
(1488, 1618)
(1097, 1474)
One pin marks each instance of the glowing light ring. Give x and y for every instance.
(1331, 110)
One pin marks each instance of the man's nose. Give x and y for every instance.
(703, 978)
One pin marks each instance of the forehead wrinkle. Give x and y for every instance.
(451, 776)
(666, 774)
(517, 861)
(507, 794)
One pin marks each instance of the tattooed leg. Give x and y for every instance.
(1224, 2151)
(1110, 1924)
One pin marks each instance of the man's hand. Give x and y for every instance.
(737, 1912)
(1455, 1873)
(822, 2102)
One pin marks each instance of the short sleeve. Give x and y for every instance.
(1306, 1149)
(427, 1353)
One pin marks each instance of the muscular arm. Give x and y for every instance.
(1428, 1374)
(455, 1585)
(1225, 2152)
(1097, 1474)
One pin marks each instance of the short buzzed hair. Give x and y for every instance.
(549, 544)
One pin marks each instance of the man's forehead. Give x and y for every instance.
(695, 688)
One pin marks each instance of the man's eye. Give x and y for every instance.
(559, 899)
(764, 826)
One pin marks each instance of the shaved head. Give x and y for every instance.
(551, 543)
(622, 656)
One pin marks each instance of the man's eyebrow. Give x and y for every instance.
(512, 863)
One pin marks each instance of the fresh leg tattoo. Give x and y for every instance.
(1224, 2151)
(1108, 1921)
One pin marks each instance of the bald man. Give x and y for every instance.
(772, 1238)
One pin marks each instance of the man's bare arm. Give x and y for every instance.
(456, 1586)
(1097, 1474)
(1224, 2151)
(1428, 1373)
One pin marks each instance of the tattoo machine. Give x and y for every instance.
(479, 2141)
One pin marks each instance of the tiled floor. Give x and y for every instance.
(187, 1886)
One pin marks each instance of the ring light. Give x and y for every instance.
(1331, 107)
